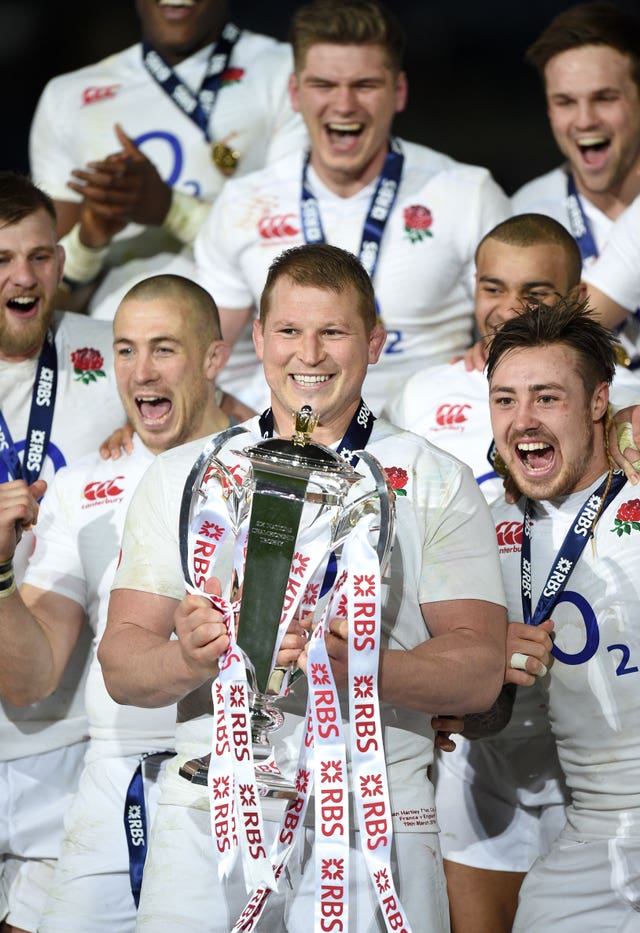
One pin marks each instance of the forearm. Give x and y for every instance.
(142, 668)
(27, 670)
(458, 672)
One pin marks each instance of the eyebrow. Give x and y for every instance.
(151, 340)
(536, 387)
(494, 280)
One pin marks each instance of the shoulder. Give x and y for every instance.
(551, 186)
(256, 49)
(114, 66)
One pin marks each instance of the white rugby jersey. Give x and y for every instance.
(592, 685)
(76, 552)
(617, 272)
(87, 410)
(424, 277)
(75, 118)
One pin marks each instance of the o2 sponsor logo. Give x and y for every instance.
(620, 652)
(54, 455)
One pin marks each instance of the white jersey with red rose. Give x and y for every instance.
(75, 118)
(76, 552)
(592, 686)
(548, 195)
(444, 549)
(87, 410)
(424, 278)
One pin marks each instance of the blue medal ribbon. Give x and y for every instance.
(43, 400)
(568, 555)
(135, 824)
(356, 438)
(378, 213)
(199, 106)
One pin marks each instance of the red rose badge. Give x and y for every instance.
(87, 365)
(398, 479)
(417, 220)
(232, 75)
(627, 517)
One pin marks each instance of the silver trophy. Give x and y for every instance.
(287, 479)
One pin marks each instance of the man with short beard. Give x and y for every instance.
(58, 400)
(575, 558)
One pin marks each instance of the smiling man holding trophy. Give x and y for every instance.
(387, 628)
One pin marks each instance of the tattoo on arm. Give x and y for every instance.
(483, 725)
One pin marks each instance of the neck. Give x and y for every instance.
(345, 184)
(617, 198)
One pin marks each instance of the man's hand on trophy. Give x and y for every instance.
(201, 632)
(336, 640)
(294, 642)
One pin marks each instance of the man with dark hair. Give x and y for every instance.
(58, 400)
(413, 216)
(135, 147)
(574, 556)
(168, 351)
(589, 60)
(442, 630)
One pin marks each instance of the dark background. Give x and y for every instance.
(471, 94)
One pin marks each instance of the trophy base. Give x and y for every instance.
(271, 784)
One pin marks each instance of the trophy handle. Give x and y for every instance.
(386, 497)
(198, 470)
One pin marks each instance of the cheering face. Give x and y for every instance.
(543, 423)
(30, 271)
(315, 351)
(178, 28)
(594, 108)
(348, 95)
(164, 372)
(506, 276)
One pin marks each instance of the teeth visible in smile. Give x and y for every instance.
(345, 127)
(535, 445)
(176, 3)
(593, 141)
(305, 380)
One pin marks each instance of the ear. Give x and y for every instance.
(578, 292)
(293, 91)
(258, 338)
(61, 259)
(376, 342)
(402, 91)
(599, 401)
(215, 358)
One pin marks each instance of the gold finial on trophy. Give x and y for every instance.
(305, 421)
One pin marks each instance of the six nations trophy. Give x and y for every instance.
(284, 515)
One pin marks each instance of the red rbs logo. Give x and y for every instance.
(278, 227)
(91, 95)
(509, 534)
(108, 489)
(449, 415)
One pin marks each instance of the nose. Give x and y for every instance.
(144, 368)
(22, 272)
(586, 115)
(344, 99)
(525, 417)
(310, 350)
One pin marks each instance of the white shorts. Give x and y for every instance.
(583, 887)
(91, 891)
(35, 792)
(181, 891)
(499, 804)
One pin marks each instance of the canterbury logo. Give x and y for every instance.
(451, 414)
(91, 95)
(282, 225)
(106, 490)
(509, 533)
